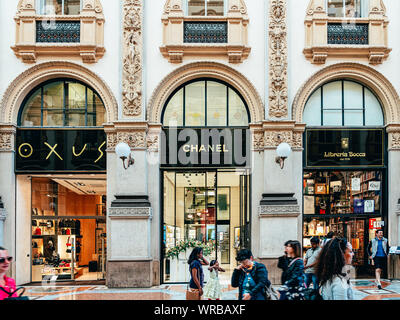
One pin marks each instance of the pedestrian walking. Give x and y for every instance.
(7, 285)
(196, 262)
(294, 281)
(213, 290)
(250, 277)
(328, 238)
(378, 250)
(283, 262)
(310, 261)
(334, 281)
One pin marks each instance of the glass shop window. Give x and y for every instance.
(205, 7)
(342, 192)
(343, 103)
(60, 7)
(65, 103)
(347, 8)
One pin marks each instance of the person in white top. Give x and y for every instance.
(333, 279)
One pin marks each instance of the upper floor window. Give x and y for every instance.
(343, 103)
(62, 103)
(347, 8)
(205, 7)
(206, 103)
(60, 7)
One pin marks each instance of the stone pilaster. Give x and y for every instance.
(132, 59)
(7, 137)
(278, 65)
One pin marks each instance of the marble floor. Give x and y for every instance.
(364, 290)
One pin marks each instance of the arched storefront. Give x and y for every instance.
(59, 171)
(346, 162)
(205, 175)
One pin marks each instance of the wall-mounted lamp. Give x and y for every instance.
(123, 151)
(283, 151)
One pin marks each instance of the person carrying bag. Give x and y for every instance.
(195, 287)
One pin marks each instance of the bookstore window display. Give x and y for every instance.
(349, 203)
(68, 233)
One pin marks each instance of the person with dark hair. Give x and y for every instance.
(328, 238)
(310, 261)
(378, 250)
(213, 290)
(7, 285)
(283, 262)
(333, 279)
(196, 261)
(294, 285)
(250, 277)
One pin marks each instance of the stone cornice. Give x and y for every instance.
(279, 211)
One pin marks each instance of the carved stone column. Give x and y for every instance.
(131, 230)
(279, 209)
(278, 80)
(7, 137)
(132, 106)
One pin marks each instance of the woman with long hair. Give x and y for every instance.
(331, 270)
(294, 279)
(7, 285)
(196, 261)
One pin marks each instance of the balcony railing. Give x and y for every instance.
(342, 33)
(205, 32)
(58, 31)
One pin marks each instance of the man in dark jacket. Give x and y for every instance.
(250, 277)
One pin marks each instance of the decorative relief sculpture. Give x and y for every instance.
(278, 93)
(135, 139)
(6, 141)
(132, 58)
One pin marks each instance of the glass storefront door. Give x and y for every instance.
(209, 209)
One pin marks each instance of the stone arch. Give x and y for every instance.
(366, 75)
(205, 69)
(25, 82)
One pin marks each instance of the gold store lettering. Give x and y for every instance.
(344, 155)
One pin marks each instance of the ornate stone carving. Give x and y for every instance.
(394, 141)
(278, 92)
(153, 143)
(258, 141)
(274, 138)
(135, 139)
(6, 141)
(138, 213)
(282, 210)
(132, 58)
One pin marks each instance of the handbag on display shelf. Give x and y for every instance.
(68, 244)
(38, 231)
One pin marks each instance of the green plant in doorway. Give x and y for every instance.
(182, 246)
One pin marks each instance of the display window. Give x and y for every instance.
(68, 228)
(342, 192)
(208, 209)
